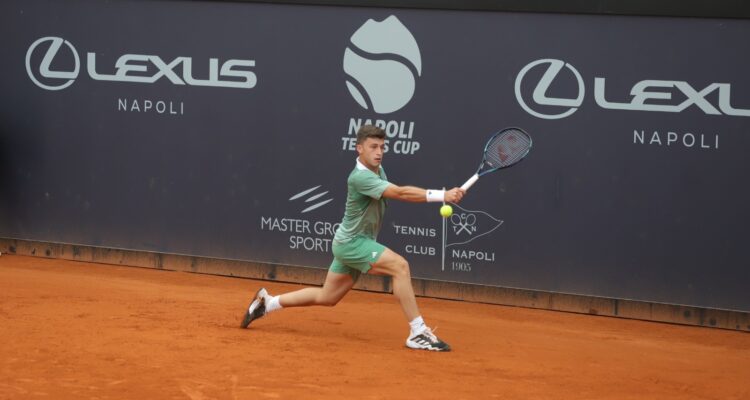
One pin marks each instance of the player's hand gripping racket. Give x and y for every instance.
(504, 149)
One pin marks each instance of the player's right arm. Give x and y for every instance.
(415, 194)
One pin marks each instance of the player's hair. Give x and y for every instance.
(369, 131)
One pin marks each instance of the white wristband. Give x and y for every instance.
(434, 196)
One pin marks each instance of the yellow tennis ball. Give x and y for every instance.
(446, 211)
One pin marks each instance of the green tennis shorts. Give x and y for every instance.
(355, 256)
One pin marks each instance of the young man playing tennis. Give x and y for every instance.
(355, 249)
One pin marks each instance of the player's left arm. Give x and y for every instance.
(415, 194)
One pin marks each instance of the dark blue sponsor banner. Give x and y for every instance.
(227, 130)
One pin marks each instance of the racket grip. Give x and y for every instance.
(470, 182)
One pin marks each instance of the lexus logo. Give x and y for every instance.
(63, 79)
(669, 96)
(232, 73)
(539, 95)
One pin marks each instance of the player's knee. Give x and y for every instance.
(402, 268)
(328, 301)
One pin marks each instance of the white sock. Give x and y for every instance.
(417, 325)
(273, 304)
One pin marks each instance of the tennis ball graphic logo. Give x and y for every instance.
(382, 63)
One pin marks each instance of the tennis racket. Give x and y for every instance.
(504, 149)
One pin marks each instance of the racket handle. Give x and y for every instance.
(470, 182)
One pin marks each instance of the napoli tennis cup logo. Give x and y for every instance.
(382, 63)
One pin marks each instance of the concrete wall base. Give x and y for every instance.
(670, 313)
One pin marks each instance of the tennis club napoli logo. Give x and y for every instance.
(47, 78)
(468, 225)
(540, 94)
(382, 64)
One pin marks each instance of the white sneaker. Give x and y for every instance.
(257, 308)
(426, 340)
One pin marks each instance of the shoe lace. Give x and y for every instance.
(430, 333)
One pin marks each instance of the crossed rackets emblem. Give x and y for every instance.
(464, 222)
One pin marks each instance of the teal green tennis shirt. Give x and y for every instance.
(365, 205)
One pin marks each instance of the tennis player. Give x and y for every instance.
(355, 249)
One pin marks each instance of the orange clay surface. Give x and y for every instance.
(72, 330)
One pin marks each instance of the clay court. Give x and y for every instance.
(73, 330)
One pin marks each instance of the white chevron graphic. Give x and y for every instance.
(312, 198)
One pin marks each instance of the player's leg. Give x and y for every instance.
(335, 287)
(421, 337)
(392, 264)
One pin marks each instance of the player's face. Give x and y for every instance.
(371, 152)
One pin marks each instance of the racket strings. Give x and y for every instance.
(507, 149)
